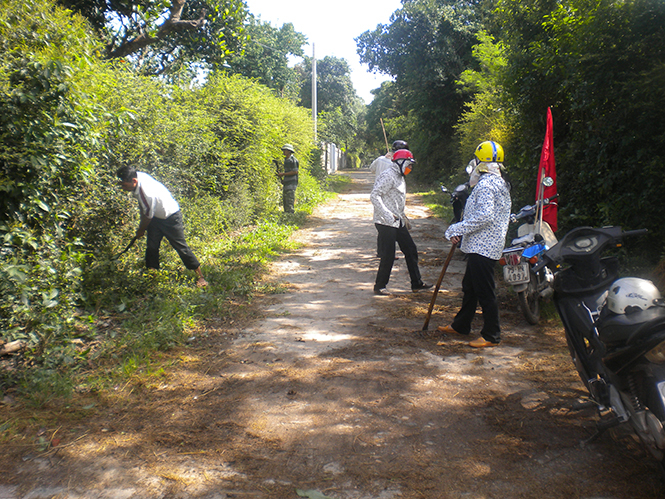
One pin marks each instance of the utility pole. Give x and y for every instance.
(314, 110)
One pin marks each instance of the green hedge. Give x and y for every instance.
(67, 121)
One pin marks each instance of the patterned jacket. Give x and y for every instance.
(486, 218)
(389, 197)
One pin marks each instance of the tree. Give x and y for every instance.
(339, 107)
(333, 84)
(485, 115)
(600, 65)
(265, 56)
(161, 36)
(425, 48)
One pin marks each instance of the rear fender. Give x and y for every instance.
(519, 288)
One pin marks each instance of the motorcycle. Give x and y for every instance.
(532, 240)
(615, 331)
(458, 199)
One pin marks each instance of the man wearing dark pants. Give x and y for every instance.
(388, 198)
(388, 236)
(160, 217)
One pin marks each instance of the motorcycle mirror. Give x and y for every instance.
(444, 188)
(470, 167)
(548, 181)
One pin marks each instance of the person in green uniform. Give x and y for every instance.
(289, 178)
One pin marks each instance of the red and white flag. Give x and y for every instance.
(547, 168)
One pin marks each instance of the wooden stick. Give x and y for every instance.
(438, 285)
(384, 135)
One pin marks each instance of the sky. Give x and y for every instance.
(332, 26)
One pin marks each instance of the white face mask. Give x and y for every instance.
(473, 179)
(493, 168)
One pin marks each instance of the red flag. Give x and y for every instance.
(547, 168)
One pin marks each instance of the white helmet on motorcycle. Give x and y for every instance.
(631, 294)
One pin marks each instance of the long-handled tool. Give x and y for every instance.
(438, 285)
(131, 243)
(385, 137)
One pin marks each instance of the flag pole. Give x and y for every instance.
(314, 97)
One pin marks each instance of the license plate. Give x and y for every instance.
(516, 274)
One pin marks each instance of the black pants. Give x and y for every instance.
(386, 242)
(478, 287)
(173, 230)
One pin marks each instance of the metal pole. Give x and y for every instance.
(539, 204)
(314, 103)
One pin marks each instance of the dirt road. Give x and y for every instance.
(334, 392)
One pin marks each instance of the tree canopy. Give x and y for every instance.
(265, 56)
(425, 47)
(161, 36)
(489, 69)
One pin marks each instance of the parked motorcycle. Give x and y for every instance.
(615, 330)
(458, 199)
(532, 240)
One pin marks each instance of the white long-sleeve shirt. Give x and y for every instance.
(486, 218)
(155, 200)
(380, 165)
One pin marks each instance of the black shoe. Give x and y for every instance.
(381, 292)
(421, 287)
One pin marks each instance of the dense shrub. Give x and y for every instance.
(47, 126)
(67, 121)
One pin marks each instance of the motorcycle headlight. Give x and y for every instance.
(656, 354)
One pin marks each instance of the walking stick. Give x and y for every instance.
(438, 285)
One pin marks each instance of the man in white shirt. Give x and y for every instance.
(160, 217)
(381, 164)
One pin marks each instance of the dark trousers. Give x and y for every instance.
(289, 198)
(478, 287)
(173, 230)
(387, 238)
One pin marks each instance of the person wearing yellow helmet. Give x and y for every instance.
(482, 233)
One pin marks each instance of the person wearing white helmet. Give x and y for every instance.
(289, 178)
(482, 233)
(388, 198)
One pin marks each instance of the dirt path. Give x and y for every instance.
(335, 392)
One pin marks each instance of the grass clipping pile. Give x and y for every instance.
(328, 391)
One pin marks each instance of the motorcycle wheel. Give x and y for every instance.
(529, 301)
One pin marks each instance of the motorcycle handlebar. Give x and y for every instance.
(637, 232)
(549, 259)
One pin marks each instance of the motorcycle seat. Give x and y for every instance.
(618, 328)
